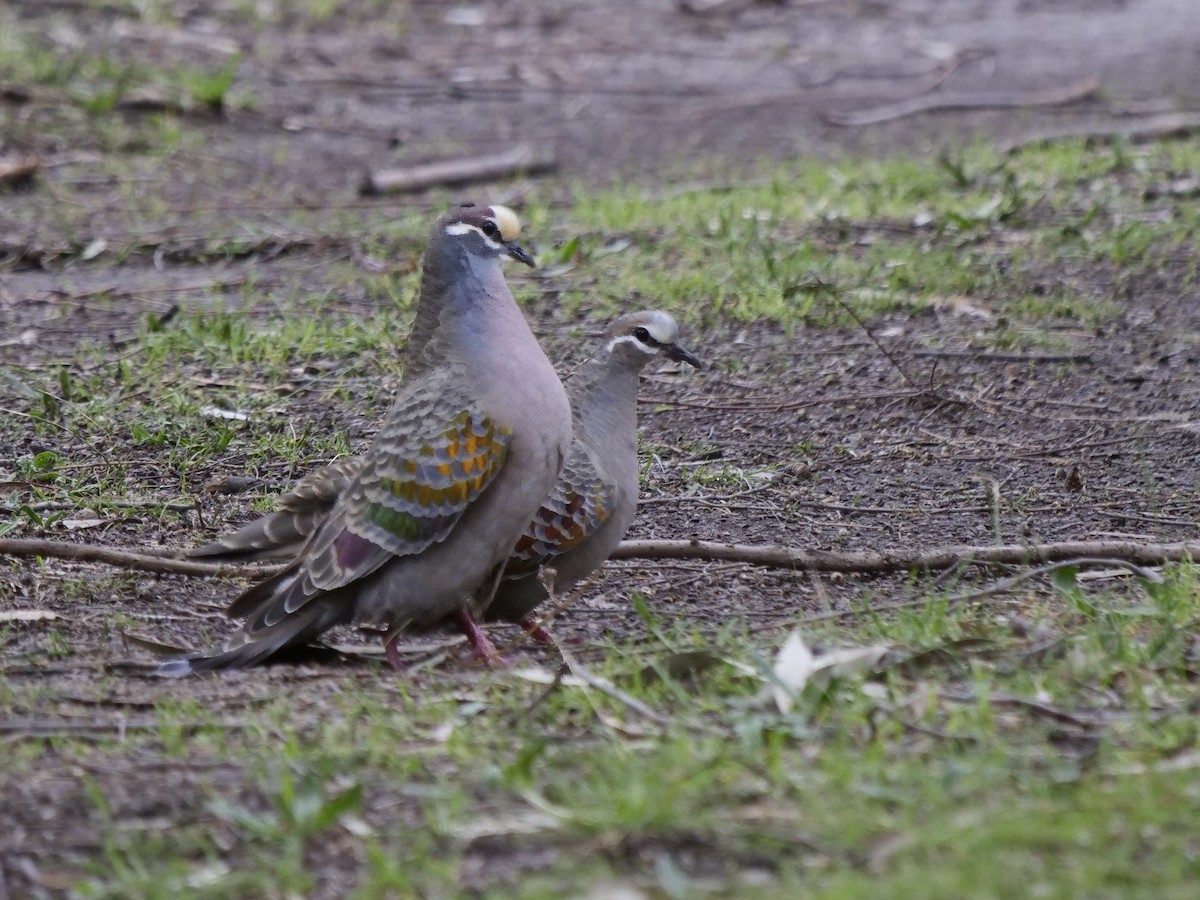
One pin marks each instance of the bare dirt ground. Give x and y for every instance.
(1096, 442)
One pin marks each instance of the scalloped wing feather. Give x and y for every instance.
(432, 458)
(578, 505)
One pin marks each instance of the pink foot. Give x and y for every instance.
(543, 636)
(537, 631)
(480, 643)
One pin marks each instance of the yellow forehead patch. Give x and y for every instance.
(508, 223)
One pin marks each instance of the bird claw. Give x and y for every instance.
(481, 645)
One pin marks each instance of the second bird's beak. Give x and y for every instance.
(677, 353)
(518, 253)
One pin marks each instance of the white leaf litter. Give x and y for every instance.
(27, 615)
(796, 666)
(215, 412)
(85, 518)
(94, 249)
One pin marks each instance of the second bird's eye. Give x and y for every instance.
(489, 228)
(642, 335)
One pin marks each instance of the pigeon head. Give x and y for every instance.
(487, 231)
(642, 336)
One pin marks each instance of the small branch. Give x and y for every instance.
(524, 159)
(773, 556)
(887, 112)
(901, 560)
(1003, 586)
(124, 560)
(989, 356)
(1034, 706)
(1007, 584)
(1141, 128)
(67, 505)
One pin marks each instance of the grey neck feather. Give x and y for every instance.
(603, 394)
(463, 301)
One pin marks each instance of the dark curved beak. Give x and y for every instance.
(679, 354)
(519, 254)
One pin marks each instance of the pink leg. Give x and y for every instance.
(478, 639)
(393, 655)
(537, 631)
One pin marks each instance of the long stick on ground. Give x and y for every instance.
(773, 556)
(901, 560)
(1076, 90)
(123, 559)
(521, 160)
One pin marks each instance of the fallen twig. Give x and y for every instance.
(909, 106)
(1141, 128)
(1007, 584)
(990, 356)
(524, 159)
(901, 560)
(123, 559)
(67, 506)
(1035, 706)
(775, 556)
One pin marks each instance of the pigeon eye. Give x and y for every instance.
(490, 228)
(643, 335)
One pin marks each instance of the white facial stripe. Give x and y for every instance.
(457, 228)
(628, 339)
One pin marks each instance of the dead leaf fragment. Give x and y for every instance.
(94, 249)
(28, 615)
(85, 518)
(791, 672)
(215, 412)
(796, 666)
(19, 172)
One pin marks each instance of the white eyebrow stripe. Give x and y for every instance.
(628, 339)
(457, 228)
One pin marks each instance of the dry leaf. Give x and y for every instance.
(791, 671)
(19, 172)
(215, 412)
(796, 665)
(27, 615)
(94, 249)
(85, 518)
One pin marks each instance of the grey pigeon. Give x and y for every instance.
(474, 442)
(594, 500)
(581, 520)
